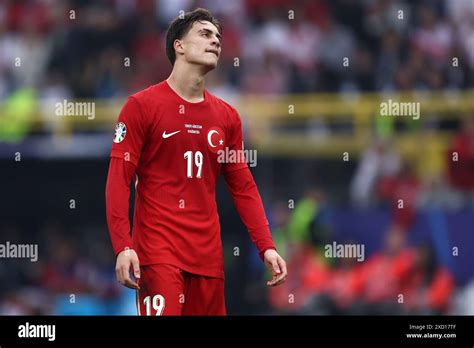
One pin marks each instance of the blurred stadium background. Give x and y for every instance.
(308, 78)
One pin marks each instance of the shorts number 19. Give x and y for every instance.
(158, 304)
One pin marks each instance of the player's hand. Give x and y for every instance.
(125, 260)
(277, 266)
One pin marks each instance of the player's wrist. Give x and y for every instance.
(264, 251)
(126, 250)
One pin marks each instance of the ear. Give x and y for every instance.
(178, 46)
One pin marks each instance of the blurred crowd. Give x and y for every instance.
(437, 176)
(108, 48)
(74, 273)
(431, 194)
(399, 276)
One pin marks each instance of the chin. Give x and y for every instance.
(209, 65)
(205, 61)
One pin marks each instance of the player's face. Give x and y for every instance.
(202, 45)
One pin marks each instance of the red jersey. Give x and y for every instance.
(173, 145)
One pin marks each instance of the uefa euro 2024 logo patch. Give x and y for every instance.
(120, 132)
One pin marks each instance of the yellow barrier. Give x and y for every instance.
(267, 121)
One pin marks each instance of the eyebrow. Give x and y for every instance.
(210, 31)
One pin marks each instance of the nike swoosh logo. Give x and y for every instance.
(169, 134)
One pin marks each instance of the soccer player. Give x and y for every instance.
(168, 137)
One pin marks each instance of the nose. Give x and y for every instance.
(215, 42)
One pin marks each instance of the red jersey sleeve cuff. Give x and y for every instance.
(121, 248)
(262, 239)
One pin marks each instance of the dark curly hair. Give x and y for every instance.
(182, 24)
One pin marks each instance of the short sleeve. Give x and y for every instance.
(236, 144)
(130, 132)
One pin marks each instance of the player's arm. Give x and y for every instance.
(249, 205)
(250, 208)
(126, 149)
(117, 194)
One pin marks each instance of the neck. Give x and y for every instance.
(188, 82)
